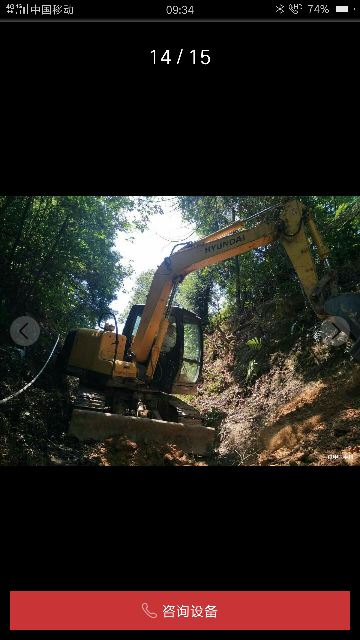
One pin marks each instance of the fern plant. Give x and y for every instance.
(255, 344)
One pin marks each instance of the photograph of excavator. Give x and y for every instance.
(267, 380)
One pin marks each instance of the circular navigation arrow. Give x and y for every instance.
(25, 331)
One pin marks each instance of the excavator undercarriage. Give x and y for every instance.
(129, 384)
(154, 416)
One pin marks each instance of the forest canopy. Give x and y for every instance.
(264, 273)
(57, 257)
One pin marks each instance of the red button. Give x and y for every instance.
(180, 610)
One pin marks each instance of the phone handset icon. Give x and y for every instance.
(146, 610)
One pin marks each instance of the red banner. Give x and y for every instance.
(179, 610)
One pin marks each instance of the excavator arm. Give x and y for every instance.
(139, 407)
(227, 243)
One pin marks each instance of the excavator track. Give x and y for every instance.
(89, 399)
(92, 420)
(186, 414)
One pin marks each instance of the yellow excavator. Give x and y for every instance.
(129, 383)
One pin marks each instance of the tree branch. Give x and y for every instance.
(18, 237)
(48, 258)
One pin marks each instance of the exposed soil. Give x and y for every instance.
(304, 410)
(123, 452)
(34, 425)
(287, 400)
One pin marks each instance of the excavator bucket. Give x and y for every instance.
(92, 425)
(347, 307)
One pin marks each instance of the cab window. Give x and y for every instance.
(170, 336)
(136, 326)
(192, 352)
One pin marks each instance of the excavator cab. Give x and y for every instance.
(160, 356)
(181, 359)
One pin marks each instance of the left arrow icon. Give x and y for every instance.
(21, 331)
(25, 331)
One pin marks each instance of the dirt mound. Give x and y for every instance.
(281, 396)
(319, 427)
(121, 451)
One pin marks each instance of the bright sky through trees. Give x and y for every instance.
(150, 248)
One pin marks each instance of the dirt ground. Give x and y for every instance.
(318, 426)
(293, 402)
(304, 410)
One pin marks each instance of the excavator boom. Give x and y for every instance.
(161, 350)
(221, 246)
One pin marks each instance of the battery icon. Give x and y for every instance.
(342, 9)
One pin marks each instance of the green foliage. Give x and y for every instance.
(266, 272)
(216, 387)
(255, 344)
(213, 417)
(196, 292)
(57, 257)
(140, 293)
(225, 314)
(251, 372)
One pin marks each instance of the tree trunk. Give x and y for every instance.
(204, 305)
(18, 237)
(237, 276)
(48, 258)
